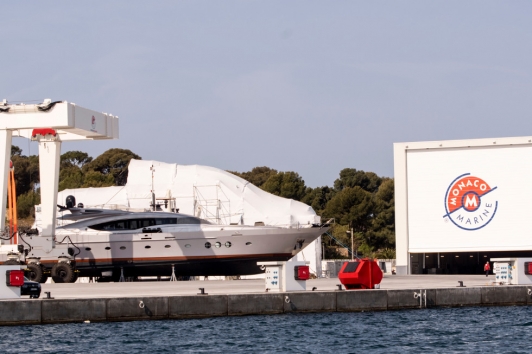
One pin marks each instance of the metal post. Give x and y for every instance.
(122, 278)
(152, 190)
(49, 157)
(5, 153)
(352, 243)
(173, 277)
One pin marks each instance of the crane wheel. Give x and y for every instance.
(35, 272)
(63, 272)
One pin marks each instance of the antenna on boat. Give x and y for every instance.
(153, 207)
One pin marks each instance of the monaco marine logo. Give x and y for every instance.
(470, 202)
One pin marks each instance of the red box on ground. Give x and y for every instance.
(360, 274)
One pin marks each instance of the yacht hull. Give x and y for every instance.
(193, 250)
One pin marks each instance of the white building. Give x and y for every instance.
(459, 203)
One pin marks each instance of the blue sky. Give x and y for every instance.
(305, 86)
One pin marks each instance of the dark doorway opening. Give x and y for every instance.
(457, 262)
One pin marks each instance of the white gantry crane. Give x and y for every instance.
(49, 123)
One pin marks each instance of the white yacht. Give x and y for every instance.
(207, 222)
(113, 243)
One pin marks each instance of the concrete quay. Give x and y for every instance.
(222, 287)
(99, 302)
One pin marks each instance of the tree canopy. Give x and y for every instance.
(77, 170)
(75, 158)
(27, 171)
(359, 200)
(350, 177)
(318, 198)
(112, 163)
(285, 184)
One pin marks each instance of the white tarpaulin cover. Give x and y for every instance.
(206, 192)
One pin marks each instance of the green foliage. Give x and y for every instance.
(70, 173)
(361, 200)
(98, 179)
(74, 158)
(334, 252)
(386, 253)
(285, 184)
(318, 198)
(26, 204)
(382, 233)
(350, 177)
(339, 232)
(365, 202)
(342, 239)
(77, 170)
(70, 177)
(333, 246)
(353, 206)
(366, 250)
(114, 163)
(15, 150)
(26, 172)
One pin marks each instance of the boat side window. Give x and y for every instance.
(136, 224)
(146, 222)
(165, 221)
(116, 225)
(122, 225)
(106, 226)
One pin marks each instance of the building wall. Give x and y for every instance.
(401, 206)
(462, 196)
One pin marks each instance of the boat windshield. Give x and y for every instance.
(139, 223)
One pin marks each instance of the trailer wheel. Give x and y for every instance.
(62, 273)
(34, 272)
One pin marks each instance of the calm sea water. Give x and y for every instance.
(473, 329)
